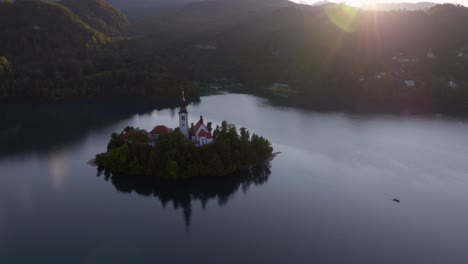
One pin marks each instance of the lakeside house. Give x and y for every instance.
(431, 55)
(452, 85)
(380, 75)
(409, 83)
(404, 60)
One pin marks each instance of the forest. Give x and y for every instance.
(172, 156)
(73, 49)
(335, 57)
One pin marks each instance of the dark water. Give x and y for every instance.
(327, 198)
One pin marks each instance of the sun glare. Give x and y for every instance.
(357, 3)
(354, 3)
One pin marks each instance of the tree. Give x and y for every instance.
(175, 157)
(5, 66)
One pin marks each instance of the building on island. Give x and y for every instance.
(158, 131)
(199, 134)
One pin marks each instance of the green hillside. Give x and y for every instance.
(49, 53)
(36, 28)
(99, 15)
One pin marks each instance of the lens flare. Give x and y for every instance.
(343, 16)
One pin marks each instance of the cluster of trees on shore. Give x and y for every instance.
(175, 157)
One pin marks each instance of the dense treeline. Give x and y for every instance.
(99, 15)
(52, 53)
(173, 156)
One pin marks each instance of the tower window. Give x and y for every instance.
(183, 118)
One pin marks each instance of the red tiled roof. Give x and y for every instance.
(203, 133)
(197, 126)
(133, 132)
(160, 130)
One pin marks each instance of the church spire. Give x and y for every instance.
(183, 116)
(183, 104)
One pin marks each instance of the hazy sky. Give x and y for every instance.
(463, 2)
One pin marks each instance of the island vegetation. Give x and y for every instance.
(133, 152)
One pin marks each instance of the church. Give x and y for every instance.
(199, 134)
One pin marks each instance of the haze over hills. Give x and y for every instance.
(139, 9)
(398, 6)
(198, 20)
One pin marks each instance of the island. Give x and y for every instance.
(185, 152)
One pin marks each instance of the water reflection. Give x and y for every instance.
(182, 193)
(26, 195)
(42, 127)
(57, 169)
(2, 224)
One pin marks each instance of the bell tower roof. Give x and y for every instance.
(183, 104)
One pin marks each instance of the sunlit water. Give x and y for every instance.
(328, 197)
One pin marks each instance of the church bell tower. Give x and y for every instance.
(183, 117)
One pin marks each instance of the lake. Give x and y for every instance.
(326, 198)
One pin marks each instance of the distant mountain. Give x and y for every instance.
(323, 2)
(398, 6)
(139, 9)
(125, 4)
(99, 15)
(205, 18)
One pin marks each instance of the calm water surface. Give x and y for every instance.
(327, 198)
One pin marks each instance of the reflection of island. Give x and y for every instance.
(181, 193)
